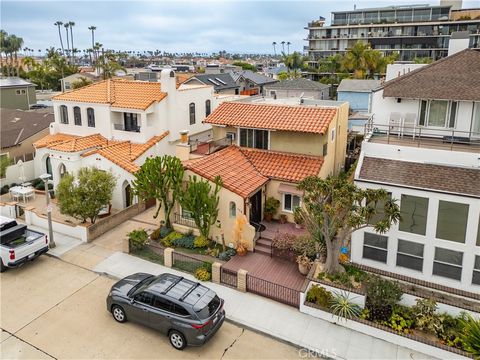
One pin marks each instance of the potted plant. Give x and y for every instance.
(283, 218)
(271, 208)
(304, 264)
(298, 217)
(241, 248)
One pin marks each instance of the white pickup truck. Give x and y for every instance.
(19, 244)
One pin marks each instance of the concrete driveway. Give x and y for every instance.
(51, 308)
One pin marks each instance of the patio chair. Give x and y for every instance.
(409, 125)
(14, 195)
(395, 123)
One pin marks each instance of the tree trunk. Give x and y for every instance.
(332, 265)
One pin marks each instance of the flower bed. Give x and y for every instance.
(426, 329)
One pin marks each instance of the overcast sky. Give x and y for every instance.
(176, 26)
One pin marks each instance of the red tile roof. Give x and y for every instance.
(118, 93)
(124, 153)
(283, 166)
(237, 172)
(51, 139)
(299, 118)
(244, 170)
(80, 143)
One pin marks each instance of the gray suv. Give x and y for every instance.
(188, 312)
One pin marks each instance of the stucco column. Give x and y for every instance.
(125, 245)
(143, 122)
(168, 257)
(241, 280)
(216, 269)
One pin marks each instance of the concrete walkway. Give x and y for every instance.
(278, 320)
(63, 242)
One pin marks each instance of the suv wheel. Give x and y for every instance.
(119, 314)
(177, 339)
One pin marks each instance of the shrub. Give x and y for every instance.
(471, 334)
(212, 252)
(305, 245)
(319, 295)
(202, 274)
(168, 240)
(357, 274)
(41, 186)
(298, 216)
(164, 231)
(271, 206)
(155, 235)
(201, 241)
(450, 334)
(207, 265)
(224, 256)
(36, 181)
(231, 252)
(426, 317)
(382, 295)
(284, 241)
(4, 189)
(341, 306)
(185, 242)
(137, 239)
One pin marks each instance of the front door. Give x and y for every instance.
(128, 195)
(256, 207)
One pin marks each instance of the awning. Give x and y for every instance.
(289, 189)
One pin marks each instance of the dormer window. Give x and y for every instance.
(63, 114)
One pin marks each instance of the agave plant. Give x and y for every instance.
(471, 334)
(342, 306)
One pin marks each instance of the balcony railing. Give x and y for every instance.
(133, 128)
(206, 148)
(420, 136)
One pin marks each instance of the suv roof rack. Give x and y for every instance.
(164, 292)
(189, 291)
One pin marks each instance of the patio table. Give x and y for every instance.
(23, 191)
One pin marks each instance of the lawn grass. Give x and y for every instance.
(200, 251)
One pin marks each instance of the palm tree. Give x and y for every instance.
(283, 46)
(92, 29)
(355, 60)
(3, 47)
(109, 65)
(96, 50)
(67, 25)
(274, 50)
(58, 24)
(288, 47)
(71, 25)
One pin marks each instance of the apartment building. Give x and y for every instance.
(412, 31)
(423, 147)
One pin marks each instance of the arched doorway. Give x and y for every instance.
(127, 191)
(48, 166)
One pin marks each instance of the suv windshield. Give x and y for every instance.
(145, 282)
(210, 309)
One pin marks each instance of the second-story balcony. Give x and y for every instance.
(423, 137)
(206, 148)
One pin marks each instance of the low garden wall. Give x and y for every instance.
(381, 332)
(101, 226)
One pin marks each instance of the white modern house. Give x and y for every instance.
(423, 147)
(116, 124)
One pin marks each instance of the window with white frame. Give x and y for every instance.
(410, 255)
(438, 113)
(290, 202)
(448, 263)
(476, 271)
(254, 138)
(375, 247)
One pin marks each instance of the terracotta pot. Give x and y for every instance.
(241, 251)
(303, 269)
(268, 217)
(283, 219)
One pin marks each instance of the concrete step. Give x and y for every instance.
(268, 234)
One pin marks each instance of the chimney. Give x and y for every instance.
(168, 81)
(182, 149)
(458, 41)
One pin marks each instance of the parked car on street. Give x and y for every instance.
(19, 244)
(186, 311)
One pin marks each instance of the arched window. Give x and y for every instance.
(232, 207)
(91, 117)
(62, 170)
(208, 109)
(192, 113)
(77, 116)
(63, 114)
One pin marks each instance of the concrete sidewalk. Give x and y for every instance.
(63, 242)
(275, 319)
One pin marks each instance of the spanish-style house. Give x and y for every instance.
(273, 146)
(222, 83)
(116, 124)
(423, 147)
